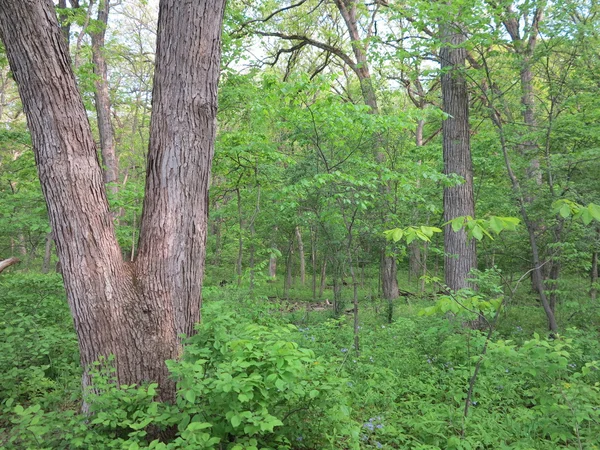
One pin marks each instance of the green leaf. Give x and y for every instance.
(477, 232)
(564, 211)
(190, 396)
(496, 224)
(236, 421)
(594, 211)
(196, 426)
(457, 224)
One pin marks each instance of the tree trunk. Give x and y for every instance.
(273, 264)
(47, 253)
(388, 278)
(536, 270)
(7, 263)
(594, 276)
(423, 269)
(301, 255)
(102, 99)
(240, 257)
(323, 277)
(313, 261)
(414, 260)
(252, 236)
(459, 201)
(288, 270)
(134, 311)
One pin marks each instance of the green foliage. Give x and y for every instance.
(242, 385)
(409, 234)
(257, 387)
(464, 303)
(568, 208)
(38, 348)
(477, 228)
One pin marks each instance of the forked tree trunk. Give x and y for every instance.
(458, 200)
(133, 311)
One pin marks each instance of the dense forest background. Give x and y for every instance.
(403, 232)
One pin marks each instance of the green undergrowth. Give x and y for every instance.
(257, 376)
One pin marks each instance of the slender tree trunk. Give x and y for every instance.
(218, 242)
(423, 269)
(313, 261)
(240, 257)
(288, 270)
(102, 99)
(348, 11)
(301, 255)
(323, 277)
(252, 236)
(552, 285)
(273, 264)
(594, 276)
(47, 253)
(134, 311)
(65, 26)
(459, 201)
(555, 265)
(537, 274)
(414, 259)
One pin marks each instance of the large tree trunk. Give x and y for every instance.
(133, 311)
(460, 253)
(102, 99)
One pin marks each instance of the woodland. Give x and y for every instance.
(304, 224)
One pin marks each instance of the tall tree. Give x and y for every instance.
(459, 201)
(134, 311)
(102, 97)
(357, 16)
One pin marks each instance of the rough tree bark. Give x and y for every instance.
(460, 253)
(133, 311)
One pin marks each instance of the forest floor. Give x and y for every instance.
(407, 387)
